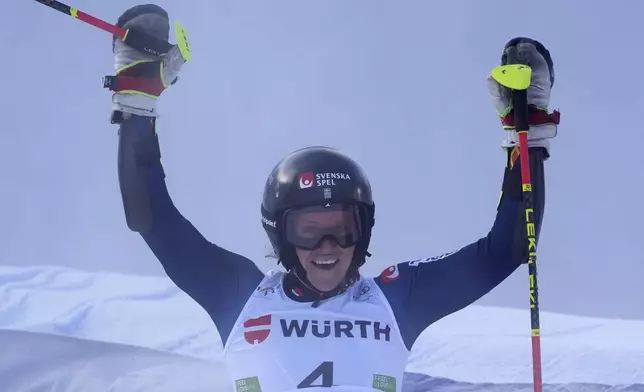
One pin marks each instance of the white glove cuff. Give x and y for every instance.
(135, 104)
(538, 136)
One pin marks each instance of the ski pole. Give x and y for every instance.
(517, 77)
(135, 38)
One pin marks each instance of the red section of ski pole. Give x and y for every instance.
(525, 161)
(536, 363)
(75, 13)
(101, 24)
(136, 39)
(85, 17)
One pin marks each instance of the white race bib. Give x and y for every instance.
(348, 343)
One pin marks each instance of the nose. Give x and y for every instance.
(328, 243)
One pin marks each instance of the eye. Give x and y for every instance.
(308, 231)
(344, 229)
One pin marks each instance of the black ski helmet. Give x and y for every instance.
(315, 176)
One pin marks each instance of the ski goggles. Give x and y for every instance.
(306, 227)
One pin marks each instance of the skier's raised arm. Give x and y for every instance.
(219, 280)
(426, 290)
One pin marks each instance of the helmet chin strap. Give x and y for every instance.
(349, 279)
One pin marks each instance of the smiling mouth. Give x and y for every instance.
(325, 262)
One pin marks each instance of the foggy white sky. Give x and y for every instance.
(398, 85)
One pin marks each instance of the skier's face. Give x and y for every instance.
(326, 266)
(326, 277)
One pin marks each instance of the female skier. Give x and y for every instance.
(319, 323)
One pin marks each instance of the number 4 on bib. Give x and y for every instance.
(325, 370)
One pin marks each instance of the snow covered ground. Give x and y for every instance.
(67, 330)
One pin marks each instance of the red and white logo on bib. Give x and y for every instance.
(390, 274)
(257, 329)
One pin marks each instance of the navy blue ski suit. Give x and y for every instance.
(420, 293)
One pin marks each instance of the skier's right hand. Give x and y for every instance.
(141, 77)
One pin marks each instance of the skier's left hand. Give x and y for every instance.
(543, 125)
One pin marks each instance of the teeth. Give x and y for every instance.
(325, 261)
